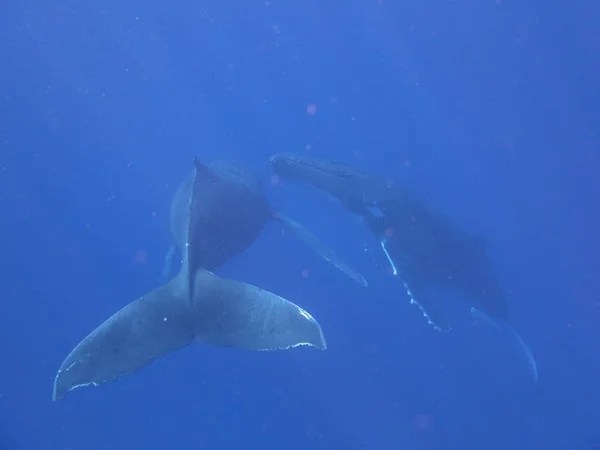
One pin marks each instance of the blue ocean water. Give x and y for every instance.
(486, 109)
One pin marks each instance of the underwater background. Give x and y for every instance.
(486, 109)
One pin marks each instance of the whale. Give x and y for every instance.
(195, 306)
(425, 250)
(219, 210)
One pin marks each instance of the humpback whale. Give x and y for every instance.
(424, 249)
(195, 306)
(219, 210)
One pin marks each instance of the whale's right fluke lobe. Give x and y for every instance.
(244, 316)
(224, 313)
(515, 339)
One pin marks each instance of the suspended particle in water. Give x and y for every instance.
(140, 257)
(311, 109)
(423, 422)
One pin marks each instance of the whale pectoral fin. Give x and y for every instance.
(515, 339)
(240, 315)
(146, 329)
(432, 313)
(416, 293)
(315, 243)
(166, 273)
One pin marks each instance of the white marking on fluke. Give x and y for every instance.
(306, 315)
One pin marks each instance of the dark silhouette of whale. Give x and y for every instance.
(195, 306)
(424, 249)
(219, 210)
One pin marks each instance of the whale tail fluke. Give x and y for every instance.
(224, 313)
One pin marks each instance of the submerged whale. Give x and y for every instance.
(424, 249)
(195, 306)
(219, 210)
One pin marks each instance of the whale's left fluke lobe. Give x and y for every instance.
(144, 330)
